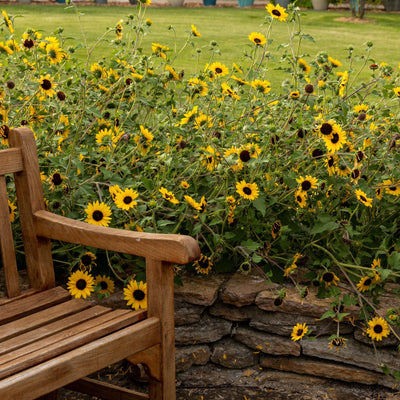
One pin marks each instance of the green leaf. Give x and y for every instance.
(394, 260)
(260, 204)
(325, 222)
(340, 316)
(385, 369)
(328, 314)
(250, 244)
(148, 184)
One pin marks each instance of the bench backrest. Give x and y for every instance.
(21, 160)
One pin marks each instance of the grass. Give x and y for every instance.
(229, 27)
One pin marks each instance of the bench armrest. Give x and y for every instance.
(179, 249)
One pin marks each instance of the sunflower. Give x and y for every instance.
(304, 66)
(392, 187)
(329, 278)
(54, 53)
(184, 185)
(172, 73)
(299, 331)
(159, 49)
(247, 190)
(355, 175)
(307, 183)
(87, 261)
(396, 90)
(257, 38)
(358, 108)
(277, 12)
(118, 30)
(98, 214)
(114, 190)
(80, 284)
(136, 295)
(198, 86)
(189, 116)
(193, 203)
(5, 49)
(364, 284)
(218, 69)
(7, 21)
(378, 328)
(168, 196)
(203, 120)
(330, 163)
(275, 229)
(11, 210)
(105, 284)
(240, 81)
(362, 196)
(301, 198)
(211, 158)
(337, 343)
(47, 85)
(56, 180)
(125, 200)
(228, 91)
(261, 86)
(336, 140)
(334, 63)
(203, 265)
(295, 94)
(195, 32)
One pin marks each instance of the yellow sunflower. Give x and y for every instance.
(125, 199)
(337, 343)
(364, 284)
(47, 85)
(136, 295)
(211, 158)
(378, 328)
(277, 12)
(11, 210)
(54, 53)
(299, 331)
(80, 284)
(169, 196)
(247, 190)
(98, 214)
(195, 32)
(295, 94)
(336, 140)
(257, 38)
(105, 284)
(275, 229)
(218, 69)
(334, 63)
(198, 86)
(228, 91)
(261, 86)
(329, 278)
(304, 66)
(392, 187)
(87, 261)
(396, 90)
(203, 265)
(301, 198)
(307, 183)
(118, 30)
(362, 196)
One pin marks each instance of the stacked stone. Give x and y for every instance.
(234, 326)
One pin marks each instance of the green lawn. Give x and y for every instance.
(229, 27)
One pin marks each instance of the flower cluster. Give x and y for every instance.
(302, 179)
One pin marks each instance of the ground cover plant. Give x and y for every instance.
(301, 177)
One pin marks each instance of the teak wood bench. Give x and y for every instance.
(47, 339)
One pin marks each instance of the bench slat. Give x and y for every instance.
(36, 320)
(10, 161)
(37, 302)
(43, 332)
(67, 340)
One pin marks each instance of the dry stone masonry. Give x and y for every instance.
(231, 332)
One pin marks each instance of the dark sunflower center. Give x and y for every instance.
(28, 43)
(392, 188)
(331, 161)
(335, 138)
(299, 199)
(305, 185)
(56, 179)
(326, 128)
(4, 131)
(204, 263)
(328, 277)
(86, 259)
(218, 70)
(52, 54)
(276, 227)
(81, 284)
(103, 285)
(317, 153)
(362, 198)
(209, 159)
(276, 12)
(367, 282)
(97, 215)
(299, 332)
(277, 302)
(257, 40)
(127, 200)
(378, 329)
(355, 174)
(360, 156)
(138, 295)
(46, 84)
(247, 190)
(244, 155)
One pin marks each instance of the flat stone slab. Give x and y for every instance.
(266, 343)
(241, 289)
(187, 356)
(309, 366)
(186, 313)
(199, 290)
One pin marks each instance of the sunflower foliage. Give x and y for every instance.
(300, 178)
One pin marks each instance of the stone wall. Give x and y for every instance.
(231, 332)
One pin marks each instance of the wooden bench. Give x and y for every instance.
(49, 340)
